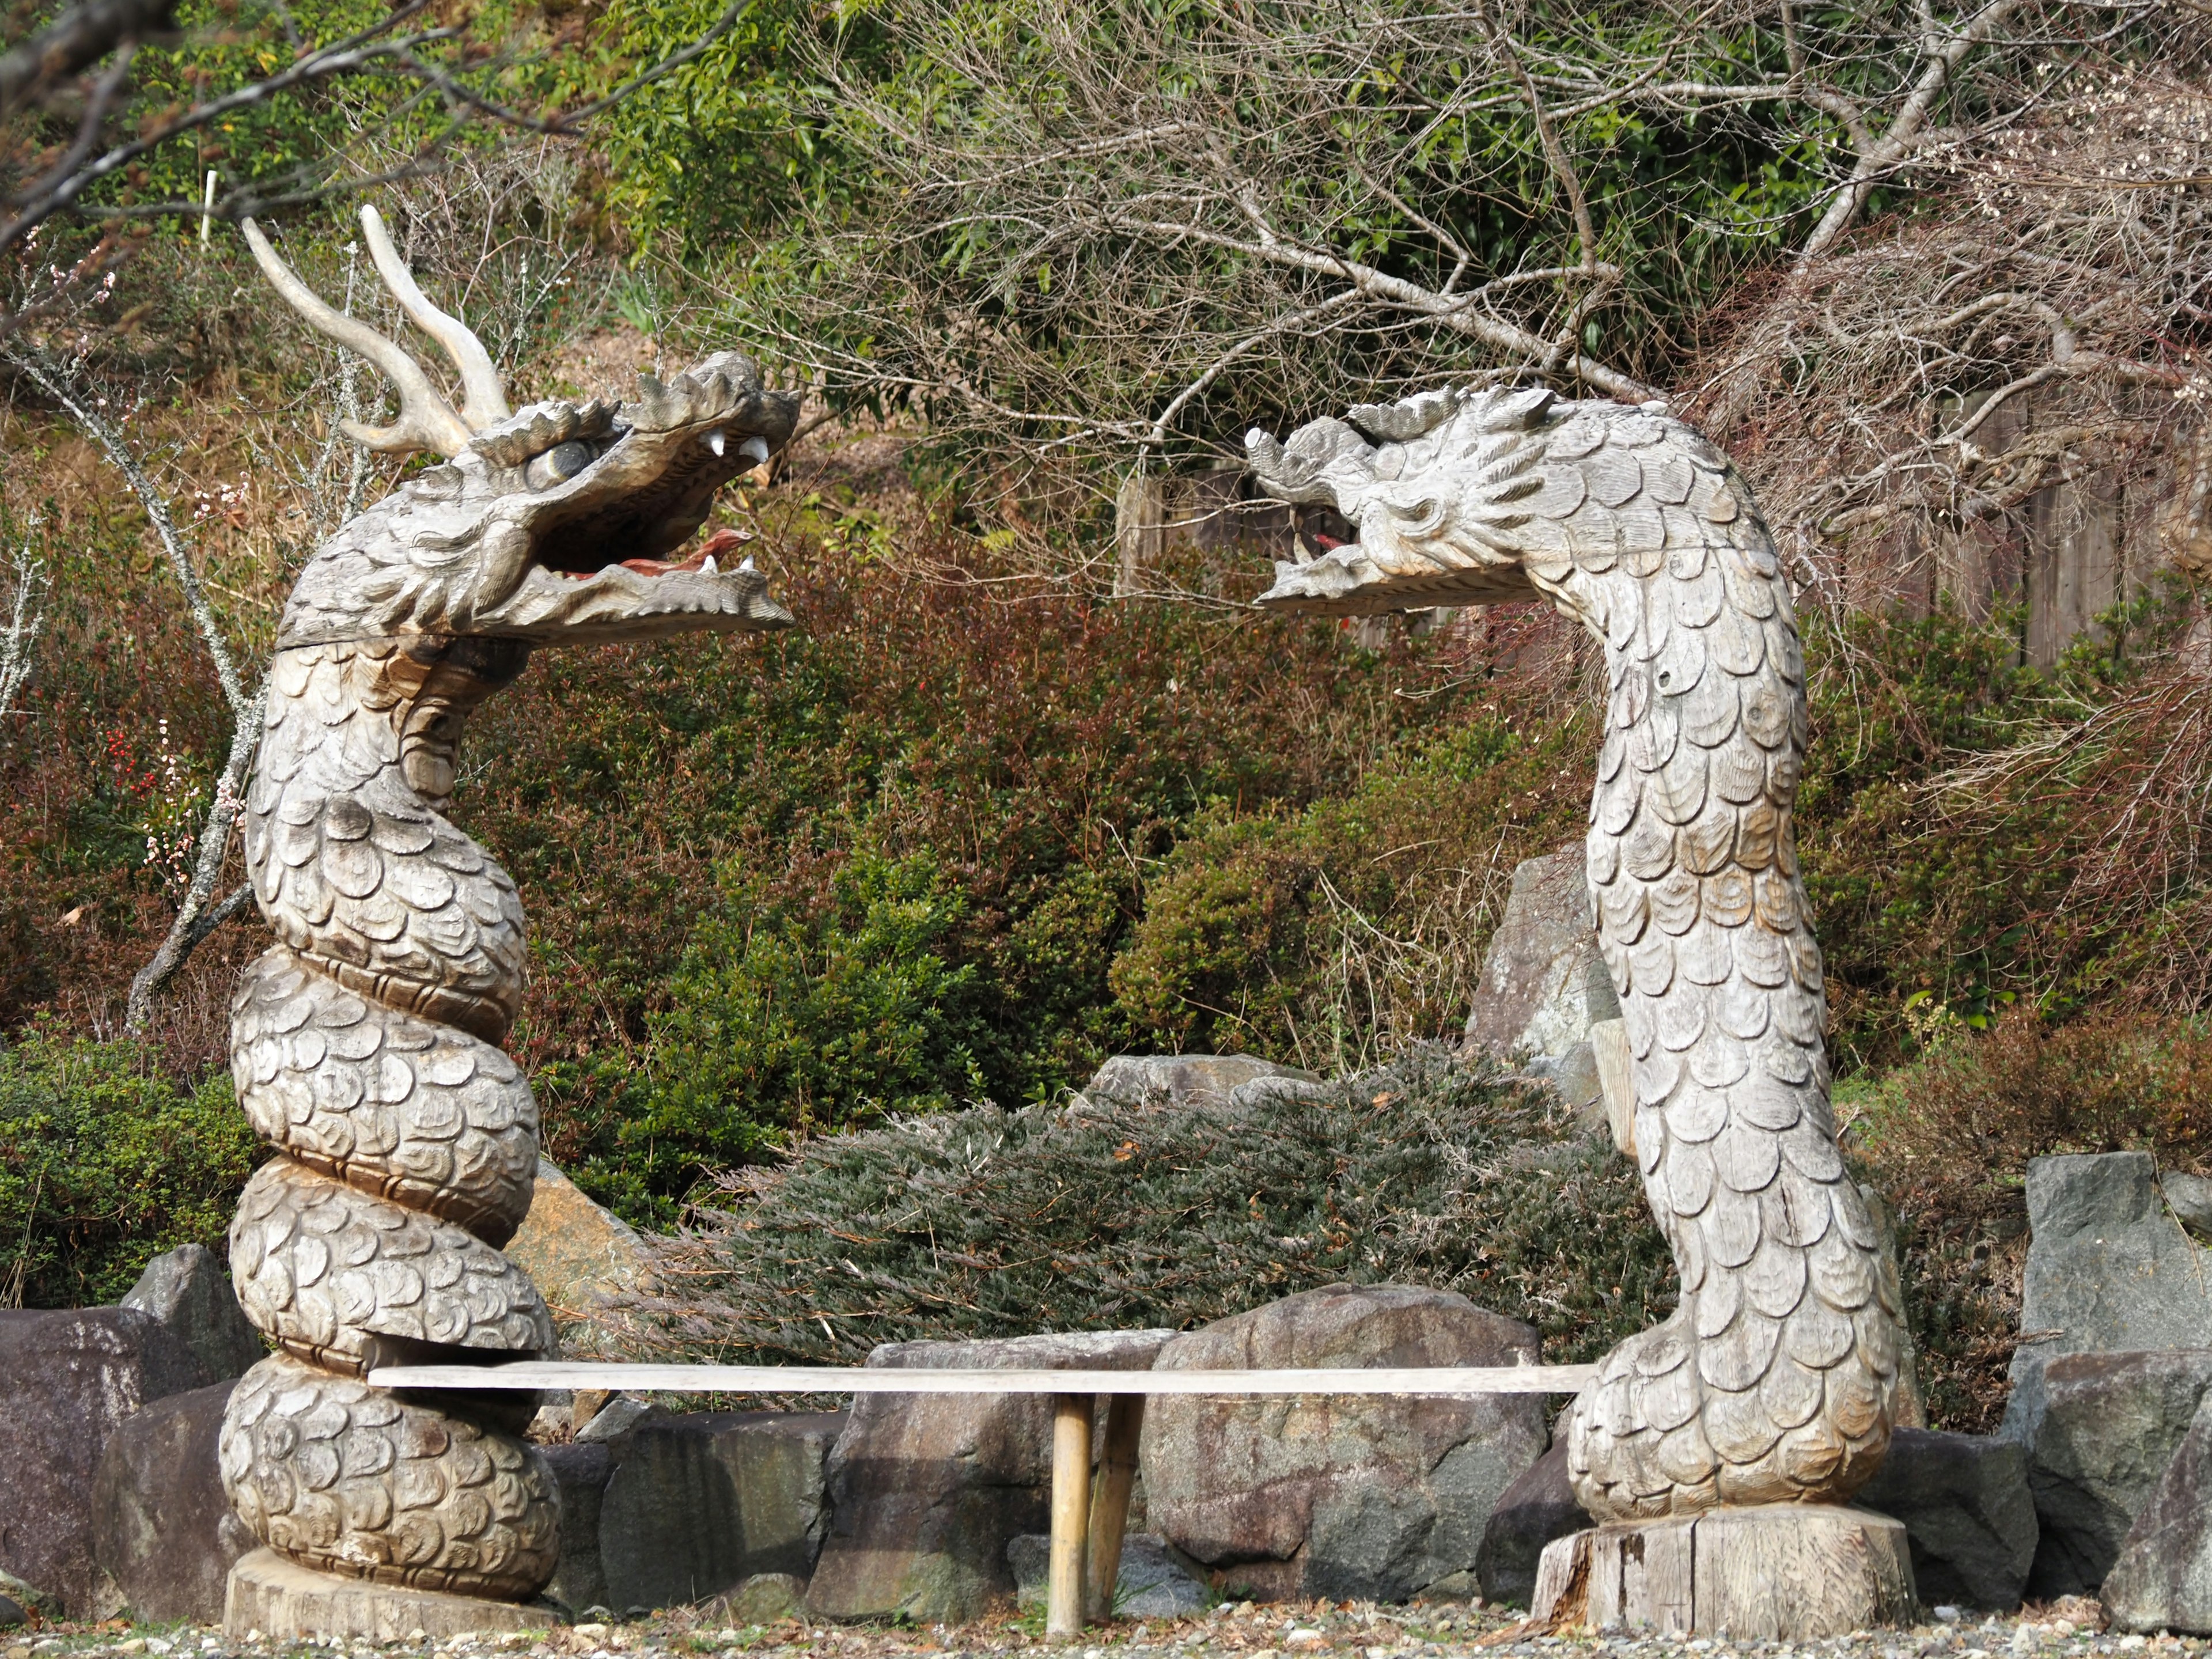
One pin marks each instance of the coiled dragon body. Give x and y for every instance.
(365, 1044)
(1775, 1380)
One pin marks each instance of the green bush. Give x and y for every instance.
(1329, 934)
(1310, 933)
(885, 860)
(1948, 1140)
(104, 1163)
(988, 1222)
(788, 1020)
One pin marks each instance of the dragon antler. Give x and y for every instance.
(484, 399)
(427, 420)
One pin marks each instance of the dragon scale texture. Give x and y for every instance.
(365, 1043)
(1775, 1379)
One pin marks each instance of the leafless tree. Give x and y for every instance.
(1096, 232)
(2062, 264)
(69, 133)
(25, 617)
(200, 912)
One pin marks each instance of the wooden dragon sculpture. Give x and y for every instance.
(366, 1043)
(1775, 1381)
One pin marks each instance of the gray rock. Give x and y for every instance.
(1969, 1515)
(699, 1503)
(1156, 1580)
(163, 1527)
(926, 1491)
(613, 1421)
(12, 1612)
(1543, 982)
(1361, 1497)
(1155, 1081)
(2163, 1578)
(67, 1379)
(580, 1473)
(2190, 1198)
(2098, 1429)
(186, 1289)
(1539, 1506)
(764, 1599)
(2109, 1270)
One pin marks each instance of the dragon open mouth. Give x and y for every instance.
(565, 522)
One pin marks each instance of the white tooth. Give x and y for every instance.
(748, 564)
(754, 449)
(714, 441)
(710, 567)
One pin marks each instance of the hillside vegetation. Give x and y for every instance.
(844, 911)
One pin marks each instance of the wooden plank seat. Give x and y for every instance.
(1086, 1527)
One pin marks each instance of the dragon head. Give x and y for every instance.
(1464, 497)
(562, 523)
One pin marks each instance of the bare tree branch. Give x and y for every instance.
(31, 72)
(194, 919)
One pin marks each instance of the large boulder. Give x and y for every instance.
(580, 1470)
(1969, 1515)
(1154, 1081)
(1544, 983)
(2109, 1270)
(1365, 1497)
(926, 1491)
(698, 1504)
(162, 1528)
(1539, 1506)
(2163, 1578)
(2099, 1430)
(581, 1257)
(67, 1379)
(186, 1289)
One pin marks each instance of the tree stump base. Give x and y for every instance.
(1776, 1571)
(283, 1600)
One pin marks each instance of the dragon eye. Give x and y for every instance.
(557, 464)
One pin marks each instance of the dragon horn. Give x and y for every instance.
(426, 420)
(484, 399)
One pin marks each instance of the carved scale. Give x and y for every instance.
(366, 1043)
(1775, 1380)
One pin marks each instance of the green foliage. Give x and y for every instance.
(105, 1163)
(1948, 1140)
(788, 1018)
(727, 146)
(989, 1222)
(910, 837)
(1308, 935)
(1328, 934)
(965, 185)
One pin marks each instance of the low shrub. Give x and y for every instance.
(1948, 1138)
(994, 1221)
(105, 1163)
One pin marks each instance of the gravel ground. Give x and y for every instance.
(2066, 1631)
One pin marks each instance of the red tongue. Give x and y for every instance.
(714, 546)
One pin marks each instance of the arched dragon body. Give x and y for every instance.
(366, 1043)
(1775, 1380)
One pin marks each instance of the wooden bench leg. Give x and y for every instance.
(1072, 1415)
(1109, 1507)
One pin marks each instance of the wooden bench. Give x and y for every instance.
(1086, 1529)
